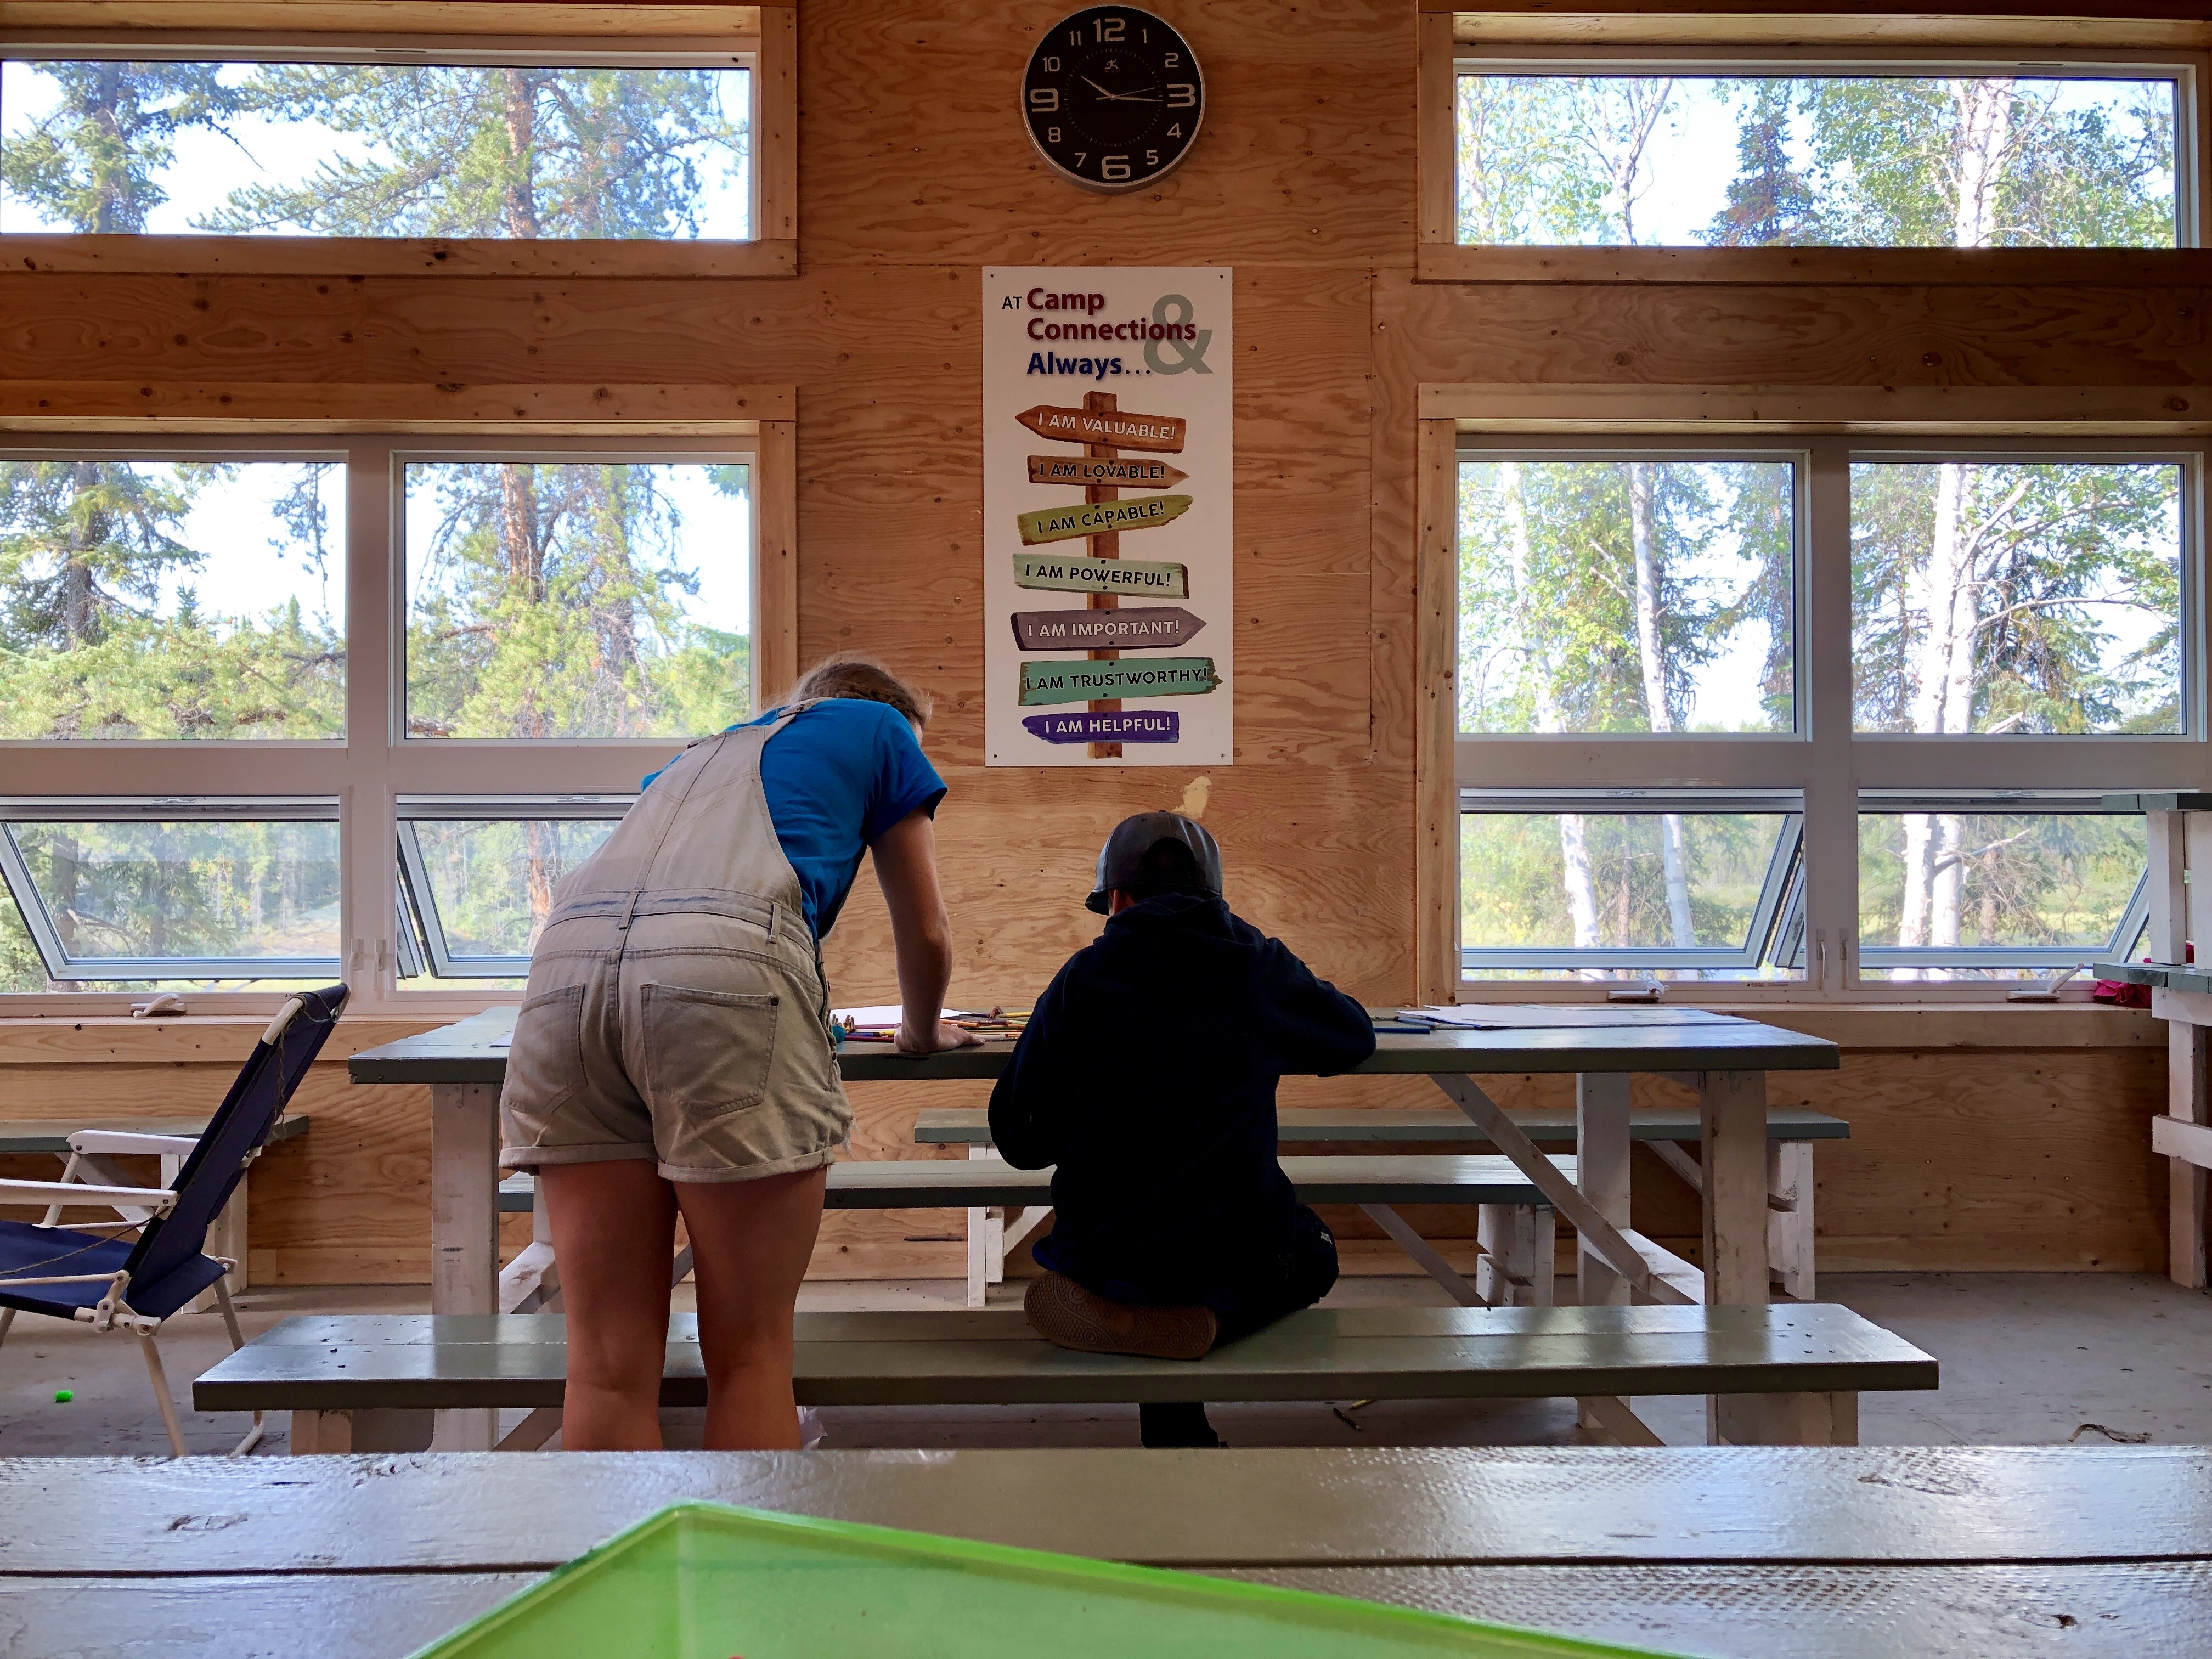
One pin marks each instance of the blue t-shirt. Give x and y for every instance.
(836, 778)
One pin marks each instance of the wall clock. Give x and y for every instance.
(1113, 98)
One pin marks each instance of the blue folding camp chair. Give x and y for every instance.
(117, 1284)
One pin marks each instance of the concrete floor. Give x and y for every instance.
(2027, 1358)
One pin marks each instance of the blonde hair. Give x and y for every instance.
(848, 674)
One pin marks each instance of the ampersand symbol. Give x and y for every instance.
(1189, 354)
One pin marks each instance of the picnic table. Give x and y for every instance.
(1724, 1059)
(1874, 1552)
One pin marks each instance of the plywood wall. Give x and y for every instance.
(914, 174)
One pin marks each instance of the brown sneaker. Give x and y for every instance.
(1065, 1314)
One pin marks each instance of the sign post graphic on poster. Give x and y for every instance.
(1108, 464)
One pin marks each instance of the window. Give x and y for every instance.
(1712, 153)
(1586, 883)
(478, 878)
(167, 893)
(519, 147)
(1967, 887)
(569, 599)
(185, 597)
(270, 713)
(1644, 594)
(1656, 777)
(2016, 596)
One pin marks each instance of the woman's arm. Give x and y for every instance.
(921, 934)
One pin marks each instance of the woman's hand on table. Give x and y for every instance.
(933, 1039)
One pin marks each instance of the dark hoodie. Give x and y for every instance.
(1147, 1074)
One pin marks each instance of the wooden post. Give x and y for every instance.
(1601, 1144)
(1790, 1232)
(1106, 545)
(2186, 1051)
(465, 1228)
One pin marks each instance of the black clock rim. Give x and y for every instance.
(1197, 69)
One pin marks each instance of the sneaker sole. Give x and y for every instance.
(1068, 1316)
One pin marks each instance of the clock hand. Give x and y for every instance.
(1096, 88)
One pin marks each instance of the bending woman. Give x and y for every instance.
(673, 1055)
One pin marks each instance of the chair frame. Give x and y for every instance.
(136, 1206)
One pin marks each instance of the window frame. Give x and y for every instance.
(1450, 43)
(373, 765)
(762, 39)
(1832, 765)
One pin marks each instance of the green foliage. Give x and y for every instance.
(442, 150)
(548, 603)
(94, 162)
(1857, 160)
(1553, 646)
(185, 888)
(511, 152)
(87, 546)
(471, 867)
(2063, 550)
(1515, 893)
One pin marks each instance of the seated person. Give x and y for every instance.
(1147, 1075)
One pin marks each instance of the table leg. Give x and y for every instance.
(2186, 1048)
(983, 1237)
(1601, 1144)
(1516, 1268)
(1789, 1231)
(465, 1228)
(1732, 1106)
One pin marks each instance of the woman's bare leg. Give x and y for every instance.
(614, 1234)
(751, 1243)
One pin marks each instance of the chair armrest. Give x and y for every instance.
(155, 1200)
(130, 1140)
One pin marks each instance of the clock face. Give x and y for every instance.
(1113, 97)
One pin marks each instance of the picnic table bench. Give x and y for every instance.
(1791, 1131)
(343, 1376)
(1517, 1273)
(1866, 1552)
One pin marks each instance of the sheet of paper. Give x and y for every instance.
(1559, 1016)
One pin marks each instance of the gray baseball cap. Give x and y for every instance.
(1122, 859)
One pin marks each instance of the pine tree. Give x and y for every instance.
(1770, 204)
(92, 163)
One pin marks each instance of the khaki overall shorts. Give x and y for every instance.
(676, 1009)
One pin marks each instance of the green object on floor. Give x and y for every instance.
(703, 1581)
(61, 1396)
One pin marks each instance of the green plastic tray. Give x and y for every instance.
(704, 1581)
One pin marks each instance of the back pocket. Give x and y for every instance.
(545, 1064)
(708, 1051)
